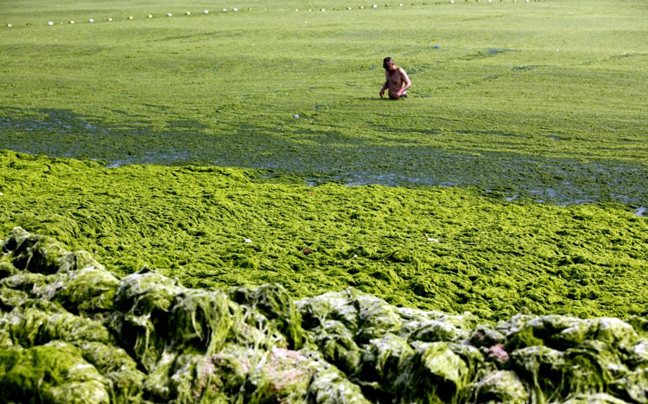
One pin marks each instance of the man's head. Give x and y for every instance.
(388, 64)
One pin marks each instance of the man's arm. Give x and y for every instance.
(405, 79)
(382, 90)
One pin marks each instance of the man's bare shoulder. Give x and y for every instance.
(402, 73)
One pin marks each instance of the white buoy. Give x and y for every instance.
(9, 25)
(374, 6)
(188, 13)
(130, 17)
(169, 15)
(109, 19)
(50, 23)
(235, 9)
(322, 10)
(91, 20)
(150, 16)
(71, 22)
(348, 8)
(224, 9)
(206, 11)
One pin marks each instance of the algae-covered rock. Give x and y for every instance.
(436, 331)
(252, 329)
(562, 332)
(329, 306)
(10, 298)
(42, 254)
(638, 354)
(471, 356)
(375, 317)
(337, 345)
(329, 386)
(6, 269)
(29, 326)
(555, 331)
(55, 373)
(485, 336)
(502, 386)
(433, 374)
(366, 316)
(274, 302)
(146, 293)
(541, 368)
(640, 325)
(614, 332)
(235, 374)
(633, 387)
(70, 331)
(199, 321)
(123, 379)
(383, 361)
(599, 398)
(35, 284)
(589, 369)
(88, 290)
(70, 328)
(144, 300)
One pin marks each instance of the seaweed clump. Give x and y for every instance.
(71, 332)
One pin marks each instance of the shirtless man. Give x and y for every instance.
(396, 81)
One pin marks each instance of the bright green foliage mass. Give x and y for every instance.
(164, 343)
(433, 248)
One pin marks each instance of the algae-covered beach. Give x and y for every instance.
(260, 227)
(446, 249)
(73, 332)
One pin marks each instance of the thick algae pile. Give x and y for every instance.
(443, 249)
(71, 332)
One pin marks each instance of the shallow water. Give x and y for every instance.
(327, 157)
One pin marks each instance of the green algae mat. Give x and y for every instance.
(270, 231)
(541, 99)
(441, 248)
(72, 332)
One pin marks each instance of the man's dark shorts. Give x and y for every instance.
(394, 98)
